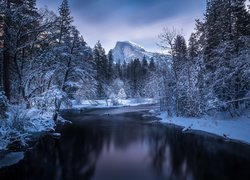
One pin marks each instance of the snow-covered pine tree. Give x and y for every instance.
(152, 65)
(193, 47)
(180, 69)
(101, 66)
(225, 35)
(20, 36)
(110, 65)
(64, 21)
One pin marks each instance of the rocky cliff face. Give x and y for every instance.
(127, 51)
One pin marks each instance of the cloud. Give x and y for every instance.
(135, 20)
(134, 12)
(146, 35)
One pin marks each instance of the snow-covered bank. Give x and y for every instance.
(11, 158)
(236, 129)
(21, 123)
(109, 103)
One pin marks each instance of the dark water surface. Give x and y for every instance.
(128, 146)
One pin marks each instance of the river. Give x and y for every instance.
(103, 144)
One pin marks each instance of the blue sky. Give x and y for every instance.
(139, 21)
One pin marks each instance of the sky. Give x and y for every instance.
(139, 21)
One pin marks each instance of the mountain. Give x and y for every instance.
(127, 51)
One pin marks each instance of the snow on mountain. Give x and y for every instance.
(127, 51)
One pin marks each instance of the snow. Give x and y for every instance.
(235, 129)
(134, 44)
(22, 123)
(122, 110)
(56, 135)
(11, 159)
(108, 103)
(125, 51)
(38, 122)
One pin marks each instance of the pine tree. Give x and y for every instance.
(64, 21)
(178, 67)
(193, 47)
(152, 65)
(225, 33)
(101, 63)
(144, 67)
(110, 65)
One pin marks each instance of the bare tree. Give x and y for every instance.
(167, 38)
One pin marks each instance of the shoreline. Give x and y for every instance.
(224, 129)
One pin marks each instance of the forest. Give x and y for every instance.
(46, 64)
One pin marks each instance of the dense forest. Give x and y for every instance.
(45, 64)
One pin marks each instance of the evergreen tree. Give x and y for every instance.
(193, 47)
(225, 33)
(124, 70)
(152, 65)
(64, 21)
(110, 65)
(144, 67)
(136, 77)
(179, 69)
(101, 63)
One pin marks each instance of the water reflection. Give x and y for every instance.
(130, 148)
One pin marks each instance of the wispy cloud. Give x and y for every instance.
(134, 20)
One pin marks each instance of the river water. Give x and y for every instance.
(128, 146)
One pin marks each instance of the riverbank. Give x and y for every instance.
(21, 125)
(126, 145)
(108, 103)
(231, 129)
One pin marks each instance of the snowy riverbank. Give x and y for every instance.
(21, 124)
(109, 103)
(235, 129)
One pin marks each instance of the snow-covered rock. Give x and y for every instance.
(127, 51)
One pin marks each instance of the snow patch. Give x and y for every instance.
(236, 129)
(126, 51)
(11, 159)
(108, 103)
(21, 123)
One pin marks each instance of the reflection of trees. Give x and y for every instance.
(74, 156)
(188, 156)
(166, 151)
(78, 152)
(125, 132)
(171, 154)
(158, 145)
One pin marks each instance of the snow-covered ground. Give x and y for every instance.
(108, 103)
(11, 158)
(21, 123)
(236, 129)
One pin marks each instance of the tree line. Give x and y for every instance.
(46, 62)
(44, 58)
(212, 72)
(112, 75)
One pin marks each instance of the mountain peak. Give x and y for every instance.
(130, 43)
(126, 51)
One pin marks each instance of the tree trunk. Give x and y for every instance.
(6, 73)
(66, 77)
(6, 57)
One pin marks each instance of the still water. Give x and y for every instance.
(129, 146)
